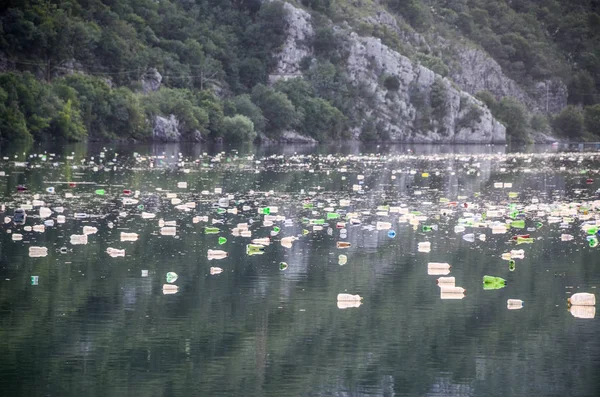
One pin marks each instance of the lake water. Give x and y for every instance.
(92, 324)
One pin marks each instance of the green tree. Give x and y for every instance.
(513, 115)
(569, 123)
(278, 110)
(68, 123)
(238, 128)
(245, 106)
(592, 119)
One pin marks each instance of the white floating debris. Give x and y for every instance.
(129, 236)
(514, 304)
(38, 252)
(115, 252)
(79, 239)
(215, 270)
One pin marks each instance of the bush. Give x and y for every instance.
(245, 106)
(569, 123)
(278, 110)
(238, 128)
(592, 119)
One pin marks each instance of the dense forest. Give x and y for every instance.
(77, 69)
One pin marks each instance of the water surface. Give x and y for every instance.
(94, 326)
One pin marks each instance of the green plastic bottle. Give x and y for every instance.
(592, 230)
(221, 211)
(427, 228)
(171, 277)
(518, 224)
(283, 266)
(100, 192)
(511, 265)
(264, 211)
(211, 230)
(307, 205)
(222, 240)
(255, 249)
(333, 215)
(492, 282)
(317, 221)
(524, 240)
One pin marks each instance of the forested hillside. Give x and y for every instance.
(206, 69)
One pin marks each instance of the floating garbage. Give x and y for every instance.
(451, 295)
(446, 281)
(169, 289)
(215, 270)
(283, 266)
(38, 252)
(171, 277)
(349, 297)
(582, 299)
(288, 241)
(585, 312)
(343, 244)
(438, 268)
(168, 231)
(342, 260)
(20, 216)
(424, 246)
(79, 239)
(129, 236)
(514, 304)
(115, 252)
(255, 249)
(35, 280)
(492, 282)
(217, 254)
(451, 289)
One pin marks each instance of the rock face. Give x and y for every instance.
(297, 44)
(294, 137)
(400, 112)
(477, 71)
(166, 129)
(151, 81)
(552, 96)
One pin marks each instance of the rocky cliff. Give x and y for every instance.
(404, 112)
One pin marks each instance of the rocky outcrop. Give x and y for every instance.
(295, 137)
(297, 44)
(166, 129)
(476, 71)
(151, 81)
(399, 113)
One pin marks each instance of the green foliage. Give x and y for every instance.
(539, 122)
(438, 98)
(245, 106)
(569, 123)
(280, 114)
(514, 116)
(183, 105)
(470, 118)
(592, 119)
(68, 123)
(238, 128)
(434, 63)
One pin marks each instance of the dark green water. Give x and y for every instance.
(93, 326)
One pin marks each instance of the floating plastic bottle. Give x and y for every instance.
(129, 236)
(514, 304)
(333, 215)
(524, 240)
(171, 277)
(169, 289)
(582, 299)
(424, 246)
(115, 252)
(255, 249)
(566, 237)
(512, 265)
(343, 244)
(446, 281)
(35, 280)
(349, 297)
(451, 289)
(342, 260)
(217, 254)
(38, 252)
(100, 192)
(215, 270)
(585, 312)
(469, 237)
(391, 234)
(451, 296)
(429, 228)
(211, 230)
(283, 266)
(518, 224)
(491, 282)
(222, 240)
